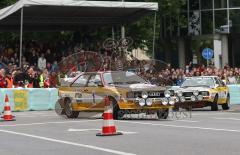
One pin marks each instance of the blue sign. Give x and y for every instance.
(207, 53)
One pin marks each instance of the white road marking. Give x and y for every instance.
(212, 114)
(68, 143)
(26, 116)
(235, 119)
(43, 123)
(187, 121)
(85, 130)
(187, 127)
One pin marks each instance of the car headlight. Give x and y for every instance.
(172, 101)
(177, 99)
(164, 101)
(144, 95)
(167, 93)
(149, 102)
(179, 93)
(182, 99)
(142, 102)
(193, 98)
(195, 92)
(200, 97)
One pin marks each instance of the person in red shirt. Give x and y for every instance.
(3, 82)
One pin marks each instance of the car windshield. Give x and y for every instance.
(118, 78)
(198, 81)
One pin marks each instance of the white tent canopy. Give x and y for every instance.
(70, 14)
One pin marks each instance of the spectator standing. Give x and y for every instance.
(42, 62)
(49, 56)
(33, 59)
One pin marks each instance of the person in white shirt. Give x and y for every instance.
(42, 62)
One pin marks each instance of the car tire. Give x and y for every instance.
(225, 106)
(68, 110)
(115, 108)
(214, 105)
(163, 113)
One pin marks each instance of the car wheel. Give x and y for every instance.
(68, 109)
(214, 105)
(58, 109)
(116, 108)
(225, 106)
(163, 113)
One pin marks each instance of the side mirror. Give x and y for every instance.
(217, 85)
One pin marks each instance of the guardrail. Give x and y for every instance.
(23, 99)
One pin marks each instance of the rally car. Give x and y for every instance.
(203, 91)
(127, 91)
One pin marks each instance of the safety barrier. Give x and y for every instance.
(23, 99)
(234, 91)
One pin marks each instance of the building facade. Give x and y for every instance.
(214, 24)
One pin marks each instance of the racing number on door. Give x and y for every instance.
(78, 97)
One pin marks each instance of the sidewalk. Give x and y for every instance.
(234, 108)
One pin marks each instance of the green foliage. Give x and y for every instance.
(4, 3)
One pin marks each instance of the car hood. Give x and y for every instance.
(190, 89)
(142, 87)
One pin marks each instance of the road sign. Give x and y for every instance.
(207, 53)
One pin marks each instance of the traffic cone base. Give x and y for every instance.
(109, 134)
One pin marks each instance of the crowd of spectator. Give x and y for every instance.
(43, 65)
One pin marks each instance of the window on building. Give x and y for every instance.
(206, 4)
(234, 16)
(207, 22)
(220, 3)
(194, 4)
(221, 23)
(234, 3)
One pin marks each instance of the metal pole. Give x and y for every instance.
(188, 15)
(122, 32)
(113, 33)
(154, 31)
(228, 16)
(200, 14)
(213, 17)
(21, 37)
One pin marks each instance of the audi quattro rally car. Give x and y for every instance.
(204, 91)
(127, 91)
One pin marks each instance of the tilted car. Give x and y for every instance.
(203, 91)
(128, 92)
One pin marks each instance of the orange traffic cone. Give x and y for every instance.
(108, 128)
(7, 116)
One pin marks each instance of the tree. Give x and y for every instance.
(4, 3)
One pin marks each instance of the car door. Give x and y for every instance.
(81, 96)
(96, 92)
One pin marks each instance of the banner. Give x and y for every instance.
(20, 100)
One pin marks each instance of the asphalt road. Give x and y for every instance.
(45, 133)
